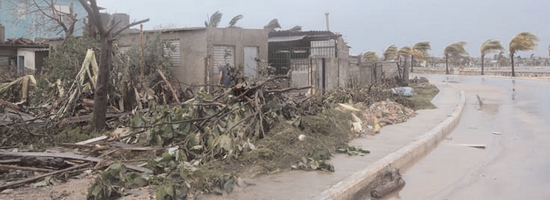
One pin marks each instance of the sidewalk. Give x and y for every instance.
(395, 143)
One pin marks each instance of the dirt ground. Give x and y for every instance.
(323, 134)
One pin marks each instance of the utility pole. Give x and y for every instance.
(328, 26)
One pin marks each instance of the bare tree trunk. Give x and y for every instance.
(107, 38)
(482, 64)
(102, 89)
(512, 59)
(405, 73)
(446, 64)
(412, 63)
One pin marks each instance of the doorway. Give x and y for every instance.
(21, 65)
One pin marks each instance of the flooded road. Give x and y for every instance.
(512, 123)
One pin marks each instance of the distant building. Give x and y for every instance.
(19, 21)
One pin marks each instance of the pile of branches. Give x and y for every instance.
(375, 92)
(210, 127)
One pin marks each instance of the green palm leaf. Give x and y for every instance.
(234, 21)
(213, 20)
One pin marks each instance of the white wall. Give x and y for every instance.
(29, 58)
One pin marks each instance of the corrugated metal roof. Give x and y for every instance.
(286, 38)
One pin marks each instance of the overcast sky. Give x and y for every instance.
(367, 25)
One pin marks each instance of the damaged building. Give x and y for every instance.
(316, 58)
(20, 57)
(198, 50)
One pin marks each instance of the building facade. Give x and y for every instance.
(21, 19)
(198, 50)
(315, 58)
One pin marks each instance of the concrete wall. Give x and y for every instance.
(389, 68)
(192, 52)
(343, 62)
(29, 58)
(337, 69)
(197, 48)
(238, 38)
(2, 33)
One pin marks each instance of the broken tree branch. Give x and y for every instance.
(25, 168)
(73, 156)
(169, 86)
(28, 180)
(130, 25)
(288, 89)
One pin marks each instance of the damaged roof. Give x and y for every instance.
(286, 36)
(22, 43)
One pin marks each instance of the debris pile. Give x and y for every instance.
(388, 113)
(370, 119)
(184, 144)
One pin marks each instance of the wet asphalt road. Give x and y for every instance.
(513, 123)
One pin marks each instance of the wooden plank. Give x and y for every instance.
(92, 140)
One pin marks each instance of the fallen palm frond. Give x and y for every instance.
(23, 82)
(79, 86)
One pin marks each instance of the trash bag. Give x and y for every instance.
(403, 91)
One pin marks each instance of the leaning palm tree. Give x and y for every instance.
(370, 56)
(405, 52)
(272, 25)
(234, 21)
(214, 20)
(454, 50)
(390, 53)
(419, 50)
(489, 46)
(524, 41)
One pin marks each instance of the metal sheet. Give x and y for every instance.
(286, 38)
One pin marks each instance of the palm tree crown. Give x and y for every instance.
(370, 56)
(213, 20)
(421, 49)
(489, 46)
(390, 53)
(234, 21)
(455, 49)
(524, 41)
(404, 51)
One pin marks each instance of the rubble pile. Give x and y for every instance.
(370, 119)
(388, 113)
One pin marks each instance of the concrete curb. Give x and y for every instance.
(354, 184)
